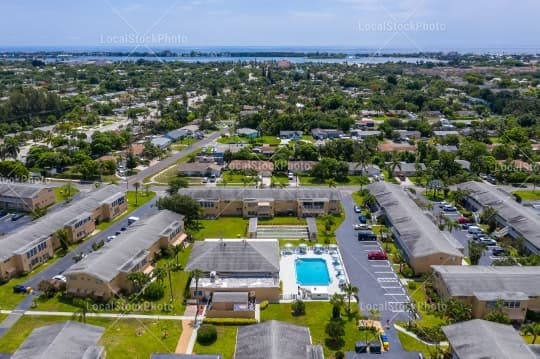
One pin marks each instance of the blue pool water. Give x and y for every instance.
(312, 271)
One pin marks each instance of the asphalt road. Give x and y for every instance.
(171, 160)
(86, 247)
(378, 285)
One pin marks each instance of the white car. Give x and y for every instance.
(360, 226)
(490, 242)
(60, 278)
(110, 238)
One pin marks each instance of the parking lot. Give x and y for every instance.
(7, 225)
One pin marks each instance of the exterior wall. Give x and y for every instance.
(480, 310)
(42, 199)
(249, 314)
(270, 294)
(423, 264)
(114, 209)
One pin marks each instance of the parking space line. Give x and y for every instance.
(381, 265)
(388, 272)
(390, 287)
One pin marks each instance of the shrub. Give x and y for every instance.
(154, 291)
(207, 334)
(339, 355)
(412, 285)
(264, 304)
(298, 307)
(230, 321)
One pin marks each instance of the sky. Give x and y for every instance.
(421, 25)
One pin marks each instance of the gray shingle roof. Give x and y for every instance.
(244, 256)
(21, 190)
(272, 340)
(417, 233)
(468, 280)
(122, 253)
(184, 356)
(483, 339)
(229, 194)
(522, 219)
(43, 227)
(67, 340)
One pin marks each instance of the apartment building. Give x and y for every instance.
(34, 244)
(104, 273)
(265, 203)
(515, 288)
(421, 242)
(25, 196)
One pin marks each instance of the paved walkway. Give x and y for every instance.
(186, 342)
(18, 313)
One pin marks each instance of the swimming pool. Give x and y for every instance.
(312, 271)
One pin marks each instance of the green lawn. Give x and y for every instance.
(60, 196)
(351, 181)
(329, 237)
(411, 344)
(290, 221)
(133, 204)
(8, 299)
(164, 306)
(528, 195)
(428, 319)
(2, 317)
(237, 178)
(316, 317)
(224, 227)
(280, 180)
(124, 338)
(224, 345)
(165, 176)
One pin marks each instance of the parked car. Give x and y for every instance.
(490, 242)
(205, 180)
(117, 233)
(377, 255)
(357, 209)
(479, 236)
(463, 220)
(17, 216)
(60, 278)
(362, 218)
(110, 238)
(442, 204)
(3, 213)
(123, 229)
(366, 235)
(290, 176)
(498, 251)
(213, 178)
(20, 289)
(466, 225)
(474, 229)
(361, 226)
(449, 208)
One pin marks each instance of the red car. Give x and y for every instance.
(377, 255)
(463, 220)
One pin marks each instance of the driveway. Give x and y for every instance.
(378, 285)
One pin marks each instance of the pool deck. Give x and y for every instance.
(287, 273)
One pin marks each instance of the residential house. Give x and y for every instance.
(161, 142)
(300, 167)
(231, 305)
(484, 287)
(32, 245)
(447, 148)
(407, 135)
(64, 340)
(479, 338)
(276, 340)
(445, 133)
(136, 149)
(199, 169)
(236, 266)
(290, 135)
(184, 356)
(247, 132)
(26, 196)
(396, 147)
(516, 220)
(265, 203)
(249, 165)
(355, 169)
(363, 134)
(408, 169)
(323, 134)
(178, 134)
(421, 242)
(466, 165)
(104, 273)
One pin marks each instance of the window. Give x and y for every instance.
(206, 204)
(512, 304)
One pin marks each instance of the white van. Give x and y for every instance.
(474, 230)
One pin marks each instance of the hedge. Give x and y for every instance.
(230, 321)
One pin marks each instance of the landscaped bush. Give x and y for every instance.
(412, 285)
(298, 307)
(264, 304)
(154, 291)
(407, 271)
(428, 334)
(230, 321)
(207, 334)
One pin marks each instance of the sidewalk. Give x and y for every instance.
(189, 332)
(99, 315)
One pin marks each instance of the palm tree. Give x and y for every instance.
(136, 185)
(394, 163)
(531, 329)
(350, 292)
(68, 191)
(177, 249)
(10, 148)
(488, 217)
(63, 237)
(331, 183)
(337, 301)
(83, 307)
(450, 225)
(159, 274)
(369, 200)
(138, 280)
